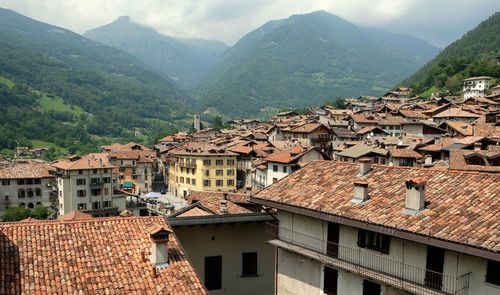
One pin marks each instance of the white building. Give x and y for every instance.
(26, 184)
(346, 229)
(476, 86)
(86, 184)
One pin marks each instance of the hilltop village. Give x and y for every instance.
(387, 195)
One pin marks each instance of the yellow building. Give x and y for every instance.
(206, 168)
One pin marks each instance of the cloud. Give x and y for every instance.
(439, 22)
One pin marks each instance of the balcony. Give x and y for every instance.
(188, 164)
(371, 265)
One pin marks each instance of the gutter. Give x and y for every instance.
(461, 248)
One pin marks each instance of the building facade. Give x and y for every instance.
(207, 169)
(363, 229)
(476, 86)
(26, 184)
(87, 184)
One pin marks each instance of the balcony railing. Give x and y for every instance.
(422, 281)
(96, 184)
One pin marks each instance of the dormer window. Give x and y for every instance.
(475, 160)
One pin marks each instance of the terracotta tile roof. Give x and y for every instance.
(307, 128)
(92, 256)
(413, 114)
(463, 206)
(362, 119)
(391, 120)
(361, 150)
(242, 149)
(195, 148)
(404, 153)
(458, 160)
(488, 130)
(460, 127)
(74, 215)
(29, 169)
(455, 113)
(212, 201)
(89, 161)
(138, 155)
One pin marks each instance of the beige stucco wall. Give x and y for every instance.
(298, 274)
(11, 191)
(231, 241)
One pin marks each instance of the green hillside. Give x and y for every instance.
(183, 60)
(60, 87)
(477, 53)
(306, 60)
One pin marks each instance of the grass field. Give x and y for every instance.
(7, 82)
(45, 144)
(55, 103)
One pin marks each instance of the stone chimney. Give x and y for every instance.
(477, 146)
(365, 165)
(223, 204)
(360, 192)
(159, 246)
(428, 159)
(415, 195)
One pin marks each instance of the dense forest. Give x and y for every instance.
(305, 60)
(60, 87)
(477, 53)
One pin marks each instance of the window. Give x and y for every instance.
(38, 192)
(373, 241)
(81, 193)
(275, 179)
(330, 281)
(105, 170)
(493, 272)
(95, 192)
(275, 168)
(193, 181)
(230, 172)
(207, 172)
(20, 181)
(284, 169)
(106, 204)
(230, 182)
(80, 181)
(206, 183)
(29, 181)
(371, 288)
(95, 171)
(96, 205)
(80, 171)
(122, 169)
(406, 162)
(213, 272)
(5, 182)
(475, 160)
(106, 179)
(181, 179)
(219, 172)
(82, 206)
(249, 264)
(207, 162)
(106, 191)
(219, 162)
(6, 198)
(133, 171)
(37, 181)
(230, 162)
(188, 180)
(29, 192)
(219, 182)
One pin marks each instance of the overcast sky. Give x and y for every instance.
(439, 22)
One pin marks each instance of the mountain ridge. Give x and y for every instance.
(182, 59)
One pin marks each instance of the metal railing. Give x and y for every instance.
(446, 283)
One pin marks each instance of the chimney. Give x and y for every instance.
(223, 204)
(365, 165)
(415, 195)
(159, 246)
(428, 159)
(360, 192)
(477, 146)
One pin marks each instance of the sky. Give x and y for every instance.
(439, 22)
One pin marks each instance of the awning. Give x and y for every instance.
(127, 184)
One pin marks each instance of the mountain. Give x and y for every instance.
(477, 53)
(306, 60)
(183, 60)
(59, 87)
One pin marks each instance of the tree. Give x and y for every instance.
(218, 123)
(16, 214)
(40, 212)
